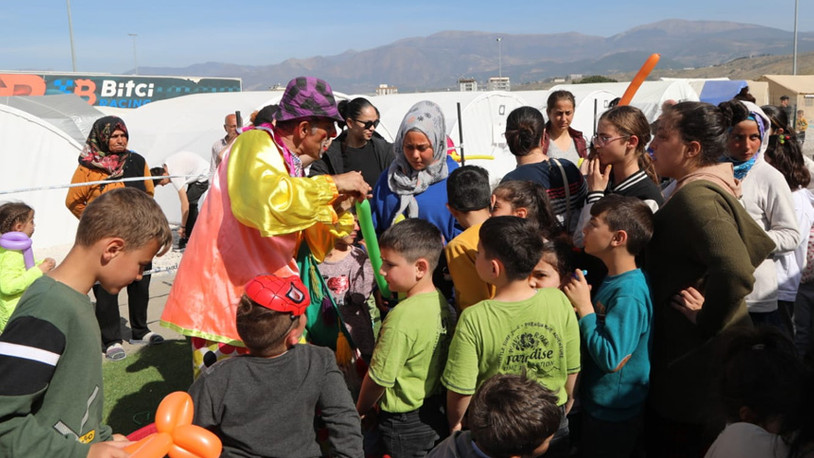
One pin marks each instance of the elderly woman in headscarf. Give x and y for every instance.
(415, 184)
(106, 157)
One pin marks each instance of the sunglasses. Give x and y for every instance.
(367, 125)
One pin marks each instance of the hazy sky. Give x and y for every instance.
(259, 32)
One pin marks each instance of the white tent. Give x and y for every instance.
(483, 121)
(38, 155)
(67, 112)
(649, 96)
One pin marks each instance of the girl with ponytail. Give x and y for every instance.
(619, 163)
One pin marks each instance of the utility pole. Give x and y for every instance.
(135, 59)
(70, 33)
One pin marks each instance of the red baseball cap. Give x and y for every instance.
(281, 294)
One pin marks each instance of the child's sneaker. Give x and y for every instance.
(115, 352)
(151, 338)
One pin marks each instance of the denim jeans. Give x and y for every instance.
(414, 433)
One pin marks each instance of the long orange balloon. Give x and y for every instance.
(648, 66)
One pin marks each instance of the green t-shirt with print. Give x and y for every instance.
(411, 350)
(538, 336)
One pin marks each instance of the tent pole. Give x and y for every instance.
(460, 134)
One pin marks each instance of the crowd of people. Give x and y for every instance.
(645, 292)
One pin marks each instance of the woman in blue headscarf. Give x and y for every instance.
(415, 184)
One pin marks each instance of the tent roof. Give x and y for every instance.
(68, 112)
(715, 92)
(802, 84)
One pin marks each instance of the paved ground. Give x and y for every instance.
(160, 285)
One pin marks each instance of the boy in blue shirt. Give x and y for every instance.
(616, 328)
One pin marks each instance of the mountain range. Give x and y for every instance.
(450, 55)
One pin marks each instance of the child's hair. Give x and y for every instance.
(12, 213)
(414, 238)
(534, 198)
(703, 123)
(513, 241)
(783, 152)
(158, 174)
(630, 121)
(261, 329)
(468, 188)
(524, 130)
(760, 370)
(559, 252)
(128, 213)
(629, 214)
(558, 96)
(512, 415)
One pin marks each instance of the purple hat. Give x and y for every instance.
(305, 97)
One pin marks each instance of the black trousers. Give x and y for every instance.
(107, 311)
(194, 193)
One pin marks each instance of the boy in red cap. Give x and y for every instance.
(263, 403)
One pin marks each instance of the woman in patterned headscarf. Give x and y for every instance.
(106, 157)
(415, 184)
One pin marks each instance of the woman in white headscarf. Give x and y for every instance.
(768, 199)
(415, 184)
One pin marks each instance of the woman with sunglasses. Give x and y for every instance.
(415, 185)
(358, 147)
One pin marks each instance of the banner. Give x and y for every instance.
(113, 90)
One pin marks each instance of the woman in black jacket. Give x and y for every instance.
(358, 147)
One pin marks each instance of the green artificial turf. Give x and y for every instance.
(135, 386)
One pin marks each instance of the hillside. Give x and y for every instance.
(450, 55)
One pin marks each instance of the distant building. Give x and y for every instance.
(468, 85)
(385, 89)
(574, 76)
(498, 83)
(558, 79)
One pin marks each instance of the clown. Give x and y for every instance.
(259, 210)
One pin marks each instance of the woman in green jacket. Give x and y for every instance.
(700, 263)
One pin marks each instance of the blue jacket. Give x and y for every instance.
(616, 376)
(432, 205)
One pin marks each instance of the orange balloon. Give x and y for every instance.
(176, 435)
(194, 442)
(152, 446)
(647, 67)
(176, 409)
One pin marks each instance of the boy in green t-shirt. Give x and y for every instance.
(521, 330)
(410, 353)
(49, 353)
